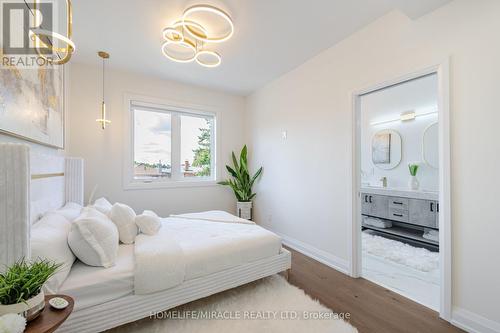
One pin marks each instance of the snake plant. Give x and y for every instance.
(413, 169)
(241, 182)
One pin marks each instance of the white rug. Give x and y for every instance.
(269, 305)
(401, 253)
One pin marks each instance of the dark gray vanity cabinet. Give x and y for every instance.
(424, 213)
(375, 205)
(407, 210)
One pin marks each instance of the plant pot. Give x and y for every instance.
(29, 309)
(244, 210)
(413, 183)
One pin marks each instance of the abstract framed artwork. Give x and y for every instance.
(32, 104)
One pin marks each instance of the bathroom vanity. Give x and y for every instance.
(409, 212)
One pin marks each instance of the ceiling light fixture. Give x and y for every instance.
(211, 10)
(36, 35)
(186, 44)
(191, 35)
(208, 58)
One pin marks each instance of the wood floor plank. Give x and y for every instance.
(372, 308)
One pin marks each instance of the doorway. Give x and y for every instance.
(401, 196)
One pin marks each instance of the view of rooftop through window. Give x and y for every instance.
(153, 157)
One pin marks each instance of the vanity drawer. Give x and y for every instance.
(400, 215)
(398, 203)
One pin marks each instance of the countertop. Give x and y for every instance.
(401, 192)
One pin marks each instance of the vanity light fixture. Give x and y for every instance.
(409, 115)
(103, 121)
(36, 35)
(404, 117)
(190, 35)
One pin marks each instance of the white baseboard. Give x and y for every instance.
(323, 257)
(472, 322)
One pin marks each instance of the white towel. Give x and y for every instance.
(431, 234)
(379, 223)
(14, 203)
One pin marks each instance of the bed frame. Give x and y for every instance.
(46, 183)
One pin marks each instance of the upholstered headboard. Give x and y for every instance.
(32, 184)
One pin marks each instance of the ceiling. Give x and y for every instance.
(271, 36)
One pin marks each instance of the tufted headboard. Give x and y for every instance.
(32, 184)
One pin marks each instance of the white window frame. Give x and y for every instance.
(176, 109)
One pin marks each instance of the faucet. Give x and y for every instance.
(384, 182)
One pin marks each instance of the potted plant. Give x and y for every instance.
(241, 184)
(21, 287)
(413, 183)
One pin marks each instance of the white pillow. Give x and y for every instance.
(94, 238)
(103, 205)
(124, 218)
(70, 211)
(49, 241)
(148, 222)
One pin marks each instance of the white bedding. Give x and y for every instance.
(90, 285)
(208, 247)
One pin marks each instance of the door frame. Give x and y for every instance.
(442, 69)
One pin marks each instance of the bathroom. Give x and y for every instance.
(399, 192)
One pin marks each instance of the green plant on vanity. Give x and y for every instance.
(413, 169)
(241, 184)
(23, 281)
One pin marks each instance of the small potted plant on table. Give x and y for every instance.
(21, 287)
(242, 183)
(413, 182)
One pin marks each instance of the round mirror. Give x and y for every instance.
(430, 150)
(386, 149)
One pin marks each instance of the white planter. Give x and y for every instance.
(413, 183)
(244, 210)
(29, 309)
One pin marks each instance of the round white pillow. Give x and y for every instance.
(94, 238)
(124, 218)
(103, 205)
(148, 222)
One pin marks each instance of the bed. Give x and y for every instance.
(218, 256)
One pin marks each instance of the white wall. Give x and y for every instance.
(103, 151)
(304, 190)
(420, 96)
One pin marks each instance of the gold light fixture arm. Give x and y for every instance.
(37, 33)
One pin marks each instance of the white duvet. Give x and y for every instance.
(194, 245)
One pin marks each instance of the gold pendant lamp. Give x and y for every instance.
(103, 121)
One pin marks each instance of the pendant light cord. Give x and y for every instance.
(103, 82)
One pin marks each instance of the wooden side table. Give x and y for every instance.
(50, 319)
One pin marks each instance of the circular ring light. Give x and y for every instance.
(186, 43)
(212, 59)
(68, 50)
(211, 10)
(173, 34)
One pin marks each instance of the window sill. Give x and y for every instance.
(168, 184)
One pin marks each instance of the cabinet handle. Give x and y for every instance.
(397, 203)
(398, 215)
(370, 199)
(437, 207)
(432, 206)
(366, 198)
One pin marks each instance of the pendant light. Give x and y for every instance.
(103, 121)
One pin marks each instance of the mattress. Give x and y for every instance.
(208, 247)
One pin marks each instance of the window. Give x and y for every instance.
(171, 145)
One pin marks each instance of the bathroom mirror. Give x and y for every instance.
(430, 151)
(386, 149)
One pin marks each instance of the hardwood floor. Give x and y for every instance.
(372, 308)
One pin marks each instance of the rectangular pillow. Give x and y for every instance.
(49, 241)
